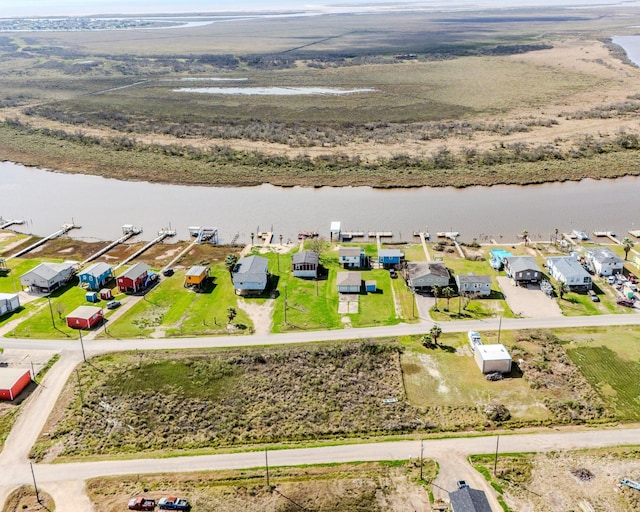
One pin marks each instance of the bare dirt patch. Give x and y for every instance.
(260, 314)
(24, 498)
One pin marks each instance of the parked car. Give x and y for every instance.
(594, 297)
(392, 273)
(625, 302)
(611, 279)
(142, 503)
(114, 304)
(173, 503)
(462, 484)
(167, 272)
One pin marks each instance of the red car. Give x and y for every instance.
(141, 503)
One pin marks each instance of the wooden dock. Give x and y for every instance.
(384, 234)
(4, 224)
(128, 233)
(448, 234)
(423, 241)
(348, 235)
(63, 230)
(421, 234)
(162, 234)
(265, 236)
(635, 233)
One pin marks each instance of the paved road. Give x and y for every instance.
(65, 481)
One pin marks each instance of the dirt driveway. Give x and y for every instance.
(528, 301)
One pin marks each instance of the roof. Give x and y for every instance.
(97, 269)
(136, 270)
(602, 255)
(568, 265)
(496, 352)
(197, 270)
(305, 257)
(473, 278)
(48, 271)
(84, 312)
(469, 500)
(419, 268)
(349, 278)
(349, 251)
(252, 265)
(8, 296)
(522, 263)
(390, 253)
(335, 225)
(9, 376)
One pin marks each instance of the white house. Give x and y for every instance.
(492, 358)
(47, 277)
(9, 302)
(605, 261)
(351, 257)
(472, 284)
(250, 275)
(568, 270)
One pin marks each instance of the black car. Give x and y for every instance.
(167, 272)
(392, 273)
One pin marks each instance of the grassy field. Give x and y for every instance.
(89, 102)
(366, 487)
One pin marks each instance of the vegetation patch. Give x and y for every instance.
(25, 498)
(357, 487)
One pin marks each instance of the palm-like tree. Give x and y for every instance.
(561, 289)
(230, 262)
(525, 236)
(435, 289)
(447, 293)
(231, 314)
(627, 245)
(435, 333)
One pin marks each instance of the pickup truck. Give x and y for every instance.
(173, 503)
(141, 503)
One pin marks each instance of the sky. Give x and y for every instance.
(29, 8)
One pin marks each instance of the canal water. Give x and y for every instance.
(46, 200)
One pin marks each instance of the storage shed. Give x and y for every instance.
(84, 317)
(371, 286)
(12, 382)
(492, 358)
(105, 294)
(92, 297)
(9, 302)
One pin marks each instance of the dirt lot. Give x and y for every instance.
(24, 498)
(368, 487)
(528, 301)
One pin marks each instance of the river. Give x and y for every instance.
(46, 200)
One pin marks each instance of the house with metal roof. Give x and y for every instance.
(305, 264)
(349, 282)
(48, 277)
(96, 275)
(568, 270)
(522, 269)
(469, 500)
(351, 257)
(135, 278)
(196, 276)
(250, 275)
(390, 258)
(604, 261)
(424, 276)
(473, 285)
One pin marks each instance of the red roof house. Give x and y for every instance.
(84, 317)
(134, 278)
(12, 382)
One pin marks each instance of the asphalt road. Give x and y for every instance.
(65, 481)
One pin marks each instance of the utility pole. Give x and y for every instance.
(285, 303)
(53, 321)
(495, 461)
(421, 454)
(34, 482)
(80, 388)
(266, 465)
(499, 329)
(84, 356)
(104, 322)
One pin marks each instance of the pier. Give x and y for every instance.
(266, 236)
(162, 234)
(377, 234)
(204, 234)
(128, 230)
(63, 230)
(4, 224)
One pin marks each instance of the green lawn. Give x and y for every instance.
(177, 311)
(10, 283)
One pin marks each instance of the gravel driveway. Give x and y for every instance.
(528, 301)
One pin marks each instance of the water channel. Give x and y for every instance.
(101, 206)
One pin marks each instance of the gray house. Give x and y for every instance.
(250, 275)
(522, 269)
(351, 257)
(605, 261)
(47, 277)
(473, 284)
(9, 302)
(349, 282)
(305, 264)
(469, 500)
(424, 276)
(568, 270)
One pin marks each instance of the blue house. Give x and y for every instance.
(390, 257)
(96, 276)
